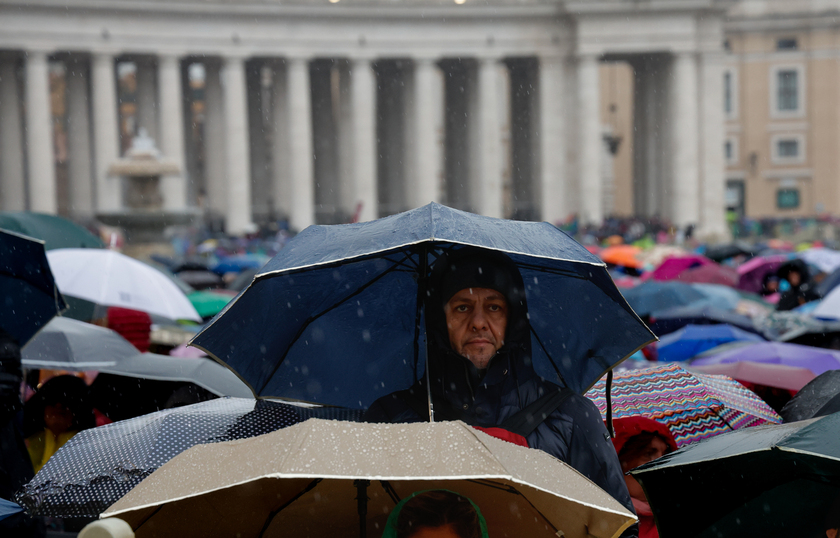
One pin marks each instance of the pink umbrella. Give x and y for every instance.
(673, 266)
(770, 375)
(751, 274)
(187, 352)
(710, 274)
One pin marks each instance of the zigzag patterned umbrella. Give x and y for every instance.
(693, 406)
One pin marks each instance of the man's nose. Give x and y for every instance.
(478, 320)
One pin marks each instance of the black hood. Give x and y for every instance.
(479, 268)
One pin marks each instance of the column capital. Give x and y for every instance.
(36, 53)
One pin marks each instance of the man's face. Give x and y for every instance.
(477, 320)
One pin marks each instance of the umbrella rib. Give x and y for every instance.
(310, 319)
(547, 354)
(513, 490)
(274, 513)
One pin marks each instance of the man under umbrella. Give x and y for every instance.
(479, 363)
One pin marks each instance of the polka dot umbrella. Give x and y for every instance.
(98, 466)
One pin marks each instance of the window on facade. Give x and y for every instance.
(787, 148)
(787, 198)
(727, 93)
(787, 43)
(788, 94)
(727, 150)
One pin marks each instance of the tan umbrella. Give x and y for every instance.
(304, 480)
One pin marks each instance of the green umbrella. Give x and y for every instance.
(755, 482)
(55, 231)
(208, 303)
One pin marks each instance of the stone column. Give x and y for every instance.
(712, 215)
(363, 110)
(39, 135)
(105, 133)
(281, 179)
(300, 138)
(237, 164)
(147, 98)
(214, 141)
(12, 170)
(489, 137)
(428, 139)
(684, 139)
(555, 203)
(589, 154)
(79, 166)
(173, 187)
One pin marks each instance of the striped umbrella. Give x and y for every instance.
(693, 406)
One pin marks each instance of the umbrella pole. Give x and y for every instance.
(361, 503)
(610, 427)
(422, 286)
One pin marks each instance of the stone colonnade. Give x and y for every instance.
(332, 137)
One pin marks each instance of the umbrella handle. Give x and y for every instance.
(608, 389)
(361, 504)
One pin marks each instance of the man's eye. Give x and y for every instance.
(494, 308)
(461, 308)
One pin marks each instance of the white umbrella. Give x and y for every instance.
(826, 259)
(829, 307)
(107, 277)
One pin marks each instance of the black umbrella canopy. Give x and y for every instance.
(812, 397)
(29, 297)
(756, 482)
(336, 317)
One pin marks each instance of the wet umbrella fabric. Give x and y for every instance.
(29, 297)
(815, 359)
(651, 297)
(54, 231)
(106, 277)
(68, 344)
(765, 481)
(98, 466)
(673, 319)
(305, 480)
(769, 375)
(334, 317)
(693, 406)
(694, 339)
(75, 346)
(812, 397)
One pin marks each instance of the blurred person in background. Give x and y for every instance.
(58, 411)
(639, 440)
(796, 273)
(15, 466)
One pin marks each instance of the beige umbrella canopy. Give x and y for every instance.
(303, 481)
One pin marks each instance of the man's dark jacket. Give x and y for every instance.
(573, 433)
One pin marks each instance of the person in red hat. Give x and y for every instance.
(639, 440)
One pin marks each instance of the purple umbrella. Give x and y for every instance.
(751, 274)
(816, 359)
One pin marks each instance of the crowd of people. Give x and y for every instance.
(479, 353)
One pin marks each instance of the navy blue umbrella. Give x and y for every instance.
(335, 318)
(28, 295)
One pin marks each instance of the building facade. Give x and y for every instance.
(327, 111)
(782, 106)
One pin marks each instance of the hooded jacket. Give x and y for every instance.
(625, 429)
(573, 433)
(799, 294)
